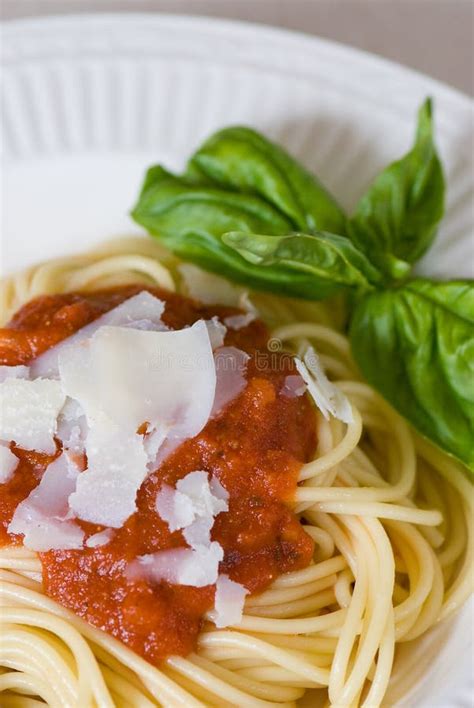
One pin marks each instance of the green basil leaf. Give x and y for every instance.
(415, 344)
(396, 220)
(168, 205)
(241, 159)
(329, 260)
(190, 219)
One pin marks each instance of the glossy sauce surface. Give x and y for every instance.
(255, 447)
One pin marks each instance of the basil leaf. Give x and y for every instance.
(169, 205)
(190, 219)
(241, 159)
(330, 261)
(396, 220)
(415, 345)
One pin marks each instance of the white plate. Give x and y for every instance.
(90, 101)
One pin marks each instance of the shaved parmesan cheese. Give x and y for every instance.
(123, 378)
(328, 398)
(72, 427)
(51, 534)
(100, 539)
(14, 372)
(229, 603)
(43, 516)
(71, 411)
(166, 379)
(167, 448)
(192, 507)
(50, 497)
(106, 492)
(192, 499)
(78, 379)
(293, 386)
(211, 289)
(8, 463)
(147, 326)
(216, 331)
(175, 508)
(153, 444)
(231, 366)
(199, 532)
(245, 303)
(117, 379)
(196, 487)
(239, 321)
(142, 311)
(28, 413)
(208, 287)
(218, 491)
(181, 566)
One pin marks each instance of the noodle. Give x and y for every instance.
(391, 517)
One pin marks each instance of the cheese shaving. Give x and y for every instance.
(228, 603)
(197, 567)
(199, 532)
(123, 378)
(328, 398)
(142, 311)
(237, 322)
(29, 410)
(293, 386)
(43, 517)
(192, 500)
(191, 507)
(131, 377)
(216, 331)
(8, 463)
(231, 367)
(211, 289)
(106, 492)
(208, 288)
(100, 539)
(14, 372)
(72, 427)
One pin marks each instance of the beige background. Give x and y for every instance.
(433, 36)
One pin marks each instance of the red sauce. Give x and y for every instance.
(255, 447)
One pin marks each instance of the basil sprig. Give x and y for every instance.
(396, 219)
(190, 219)
(247, 210)
(239, 182)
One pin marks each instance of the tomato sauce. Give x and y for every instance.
(256, 447)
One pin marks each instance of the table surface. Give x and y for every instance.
(435, 37)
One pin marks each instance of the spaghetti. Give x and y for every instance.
(390, 515)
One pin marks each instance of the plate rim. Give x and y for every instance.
(271, 32)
